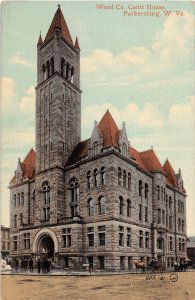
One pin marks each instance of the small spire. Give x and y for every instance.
(95, 123)
(40, 41)
(58, 5)
(151, 147)
(76, 45)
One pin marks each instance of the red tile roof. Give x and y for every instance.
(171, 180)
(137, 158)
(27, 166)
(59, 22)
(151, 161)
(109, 130)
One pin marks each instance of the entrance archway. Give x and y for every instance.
(46, 246)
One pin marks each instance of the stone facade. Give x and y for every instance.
(96, 202)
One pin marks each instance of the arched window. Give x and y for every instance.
(44, 72)
(15, 201)
(15, 221)
(46, 193)
(62, 67)
(21, 219)
(121, 204)
(158, 192)
(129, 181)
(158, 216)
(124, 179)
(128, 208)
(95, 148)
(140, 188)
(67, 71)
(146, 191)
(179, 224)
(22, 198)
(74, 197)
(162, 193)
(102, 175)
(48, 69)
(89, 179)
(90, 207)
(95, 177)
(101, 205)
(170, 203)
(46, 201)
(52, 66)
(163, 217)
(18, 199)
(119, 177)
(182, 225)
(72, 75)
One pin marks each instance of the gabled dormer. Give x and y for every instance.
(179, 180)
(123, 141)
(95, 144)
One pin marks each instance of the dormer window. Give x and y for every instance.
(72, 75)
(95, 148)
(124, 149)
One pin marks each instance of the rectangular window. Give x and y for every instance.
(170, 243)
(66, 235)
(141, 239)
(170, 222)
(146, 214)
(183, 245)
(179, 244)
(3, 245)
(90, 236)
(15, 243)
(140, 212)
(121, 236)
(147, 240)
(26, 238)
(128, 237)
(101, 234)
(46, 214)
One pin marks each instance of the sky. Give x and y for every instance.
(141, 68)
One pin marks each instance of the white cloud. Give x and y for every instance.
(18, 59)
(8, 90)
(27, 103)
(136, 64)
(183, 113)
(18, 139)
(175, 38)
(148, 116)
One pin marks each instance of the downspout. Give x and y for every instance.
(175, 233)
(28, 202)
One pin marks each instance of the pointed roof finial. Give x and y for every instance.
(60, 23)
(76, 44)
(40, 41)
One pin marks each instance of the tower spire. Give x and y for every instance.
(60, 23)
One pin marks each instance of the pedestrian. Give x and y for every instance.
(30, 263)
(39, 266)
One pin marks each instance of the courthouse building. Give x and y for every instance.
(97, 201)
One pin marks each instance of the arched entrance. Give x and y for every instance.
(46, 246)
